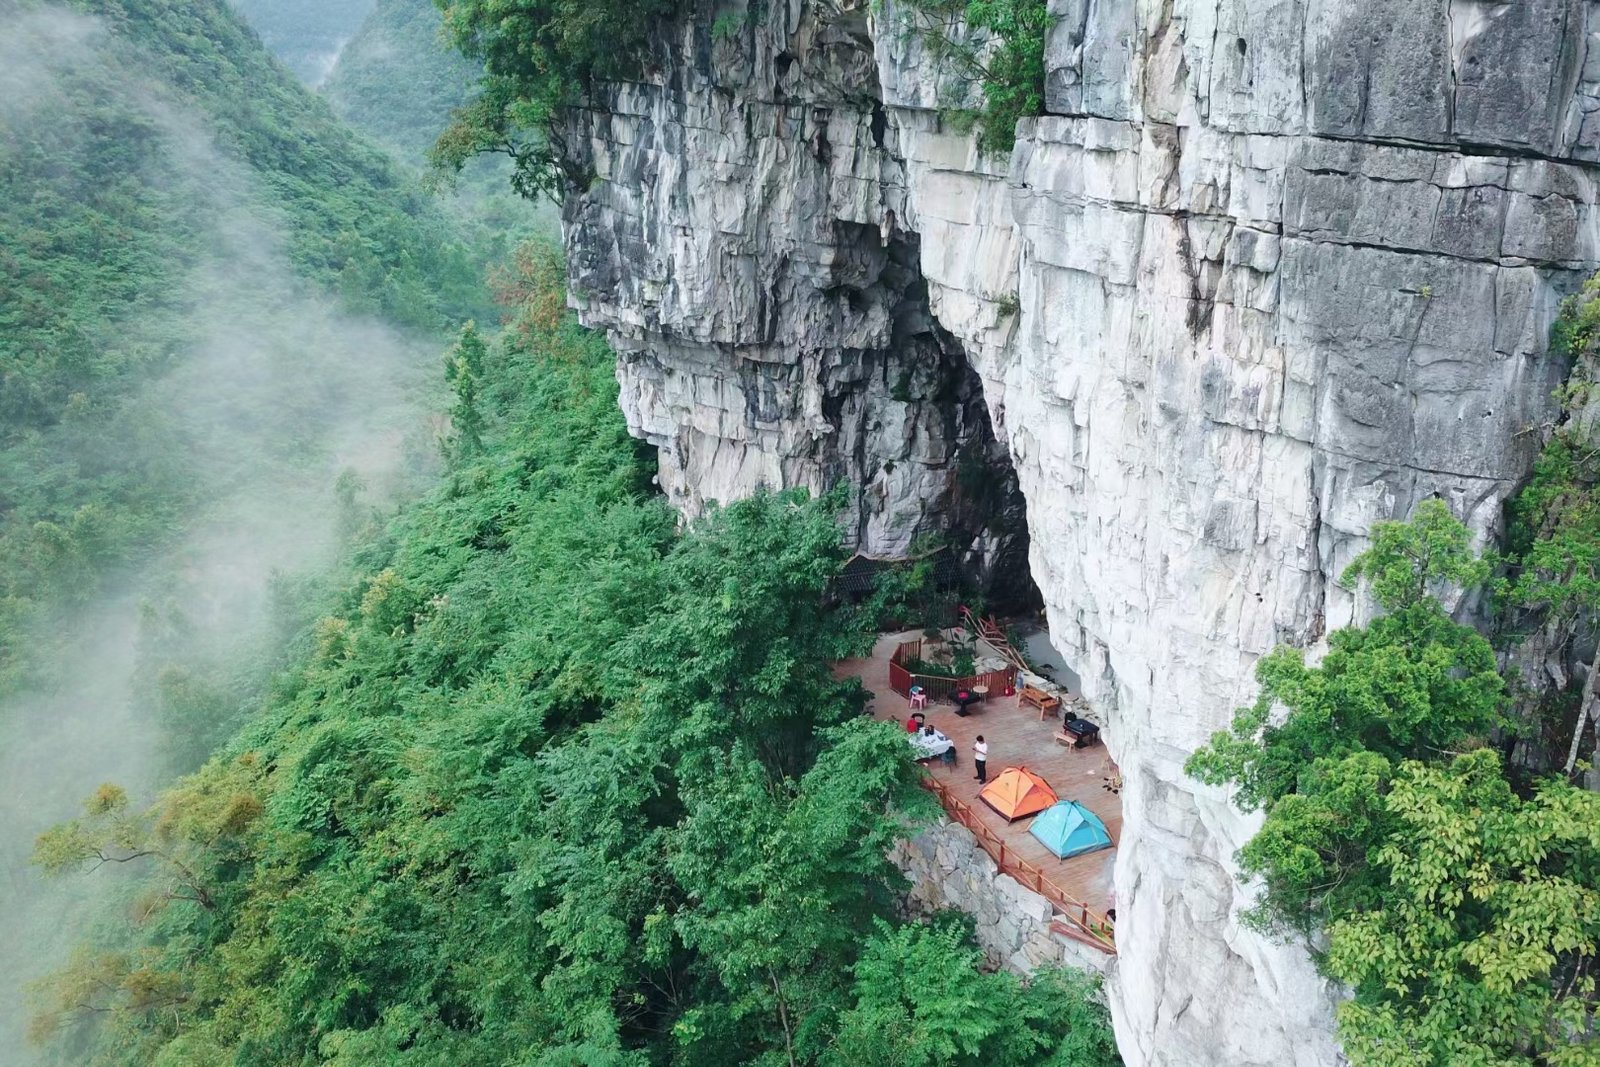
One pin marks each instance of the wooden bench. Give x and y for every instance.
(1076, 738)
(1039, 699)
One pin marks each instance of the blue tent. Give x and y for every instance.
(1070, 829)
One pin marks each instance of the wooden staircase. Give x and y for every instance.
(991, 632)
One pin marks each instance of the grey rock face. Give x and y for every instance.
(741, 243)
(1269, 271)
(947, 869)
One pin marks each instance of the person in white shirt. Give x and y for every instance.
(980, 759)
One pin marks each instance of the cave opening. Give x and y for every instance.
(988, 513)
(934, 479)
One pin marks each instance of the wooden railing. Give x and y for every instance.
(1077, 919)
(938, 686)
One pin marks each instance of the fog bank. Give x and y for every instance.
(293, 420)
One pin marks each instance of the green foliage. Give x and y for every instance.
(353, 220)
(1408, 563)
(538, 57)
(398, 81)
(1550, 591)
(1463, 917)
(1413, 684)
(1574, 332)
(1554, 536)
(992, 52)
(1481, 947)
(1556, 527)
(937, 670)
(463, 370)
(921, 1001)
(199, 824)
(729, 25)
(305, 34)
(561, 784)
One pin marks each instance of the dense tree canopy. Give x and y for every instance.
(991, 54)
(538, 57)
(559, 785)
(1551, 586)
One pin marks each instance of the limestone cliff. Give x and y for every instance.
(1268, 271)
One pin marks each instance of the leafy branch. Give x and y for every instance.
(993, 54)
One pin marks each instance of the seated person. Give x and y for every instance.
(914, 723)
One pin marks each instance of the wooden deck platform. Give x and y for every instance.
(1016, 738)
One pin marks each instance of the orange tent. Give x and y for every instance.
(1018, 793)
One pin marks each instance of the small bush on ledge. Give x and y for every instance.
(993, 51)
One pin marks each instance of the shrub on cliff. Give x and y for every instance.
(1463, 916)
(991, 54)
(1551, 586)
(538, 57)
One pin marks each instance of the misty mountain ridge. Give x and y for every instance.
(221, 312)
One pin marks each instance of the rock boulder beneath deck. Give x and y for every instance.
(1013, 923)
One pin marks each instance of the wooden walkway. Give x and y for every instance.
(1016, 738)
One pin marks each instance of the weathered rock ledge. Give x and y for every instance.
(739, 244)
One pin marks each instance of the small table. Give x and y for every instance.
(1082, 731)
(961, 698)
(981, 692)
(927, 746)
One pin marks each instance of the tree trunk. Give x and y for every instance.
(1585, 709)
(1591, 781)
(783, 1017)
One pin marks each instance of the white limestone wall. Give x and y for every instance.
(1220, 339)
(948, 869)
(1267, 272)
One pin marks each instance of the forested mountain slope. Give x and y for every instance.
(143, 151)
(556, 785)
(220, 318)
(398, 79)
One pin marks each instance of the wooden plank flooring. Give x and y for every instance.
(1016, 738)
